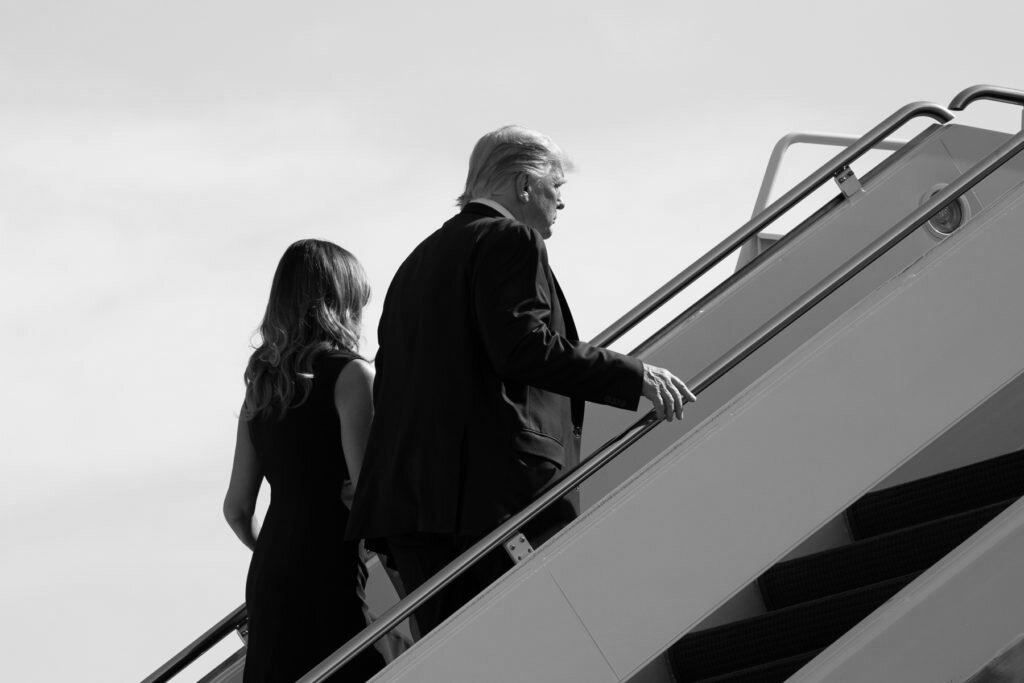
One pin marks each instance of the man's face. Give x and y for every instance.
(545, 202)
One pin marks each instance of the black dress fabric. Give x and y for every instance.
(301, 588)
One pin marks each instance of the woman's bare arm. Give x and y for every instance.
(353, 399)
(246, 477)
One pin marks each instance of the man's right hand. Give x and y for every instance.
(666, 392)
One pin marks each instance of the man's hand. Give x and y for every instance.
(667, 392)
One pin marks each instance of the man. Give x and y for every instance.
(481, 378)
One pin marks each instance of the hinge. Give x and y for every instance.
(518, 548)
(847, 181)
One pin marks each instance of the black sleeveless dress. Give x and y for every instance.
(301, 588)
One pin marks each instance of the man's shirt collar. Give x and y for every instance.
(494, 205)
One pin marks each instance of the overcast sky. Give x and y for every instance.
(157, 158)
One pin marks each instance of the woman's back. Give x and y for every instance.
(300, 589)
(301, 455)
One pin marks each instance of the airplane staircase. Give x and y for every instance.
(608, 596)
(898, 532)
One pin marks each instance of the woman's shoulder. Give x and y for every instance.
(356, 372)
(354, 385)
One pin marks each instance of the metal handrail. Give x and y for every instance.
(197, 647)
(865, 257)
(769, 330)
(769, 215)
(504, 532)
(986, 92)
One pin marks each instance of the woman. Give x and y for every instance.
(303, 427)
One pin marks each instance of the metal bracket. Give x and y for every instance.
(847, 181)
(243, 631)
(518, 548)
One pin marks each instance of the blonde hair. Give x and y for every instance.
(509, 151)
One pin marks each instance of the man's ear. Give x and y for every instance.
(523, 187)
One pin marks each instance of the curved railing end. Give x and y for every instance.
(986, 92)
(936, 111)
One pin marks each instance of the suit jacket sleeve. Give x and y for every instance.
(513, 302)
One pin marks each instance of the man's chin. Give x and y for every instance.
(542, 230)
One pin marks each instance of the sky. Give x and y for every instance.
(157, 158)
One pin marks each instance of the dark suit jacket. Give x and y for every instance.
(480, 383)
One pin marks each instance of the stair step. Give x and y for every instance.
(940, 495)
(772, 672)
(776, 635)
(871, 560)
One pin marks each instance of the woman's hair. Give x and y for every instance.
(316, 304)
(499, 156)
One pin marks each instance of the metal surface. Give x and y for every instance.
(866, 257)
(231, 670)
(615, 446)
(848, 181)
(988, 92)
(769, 215)
(234, 620)
(243, 632)
(787, 141)
(518, 548)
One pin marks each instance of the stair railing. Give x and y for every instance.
(790, 139)
(234, 621)
(985, 92)
(988, 92)
(835, 168)
(508, 529)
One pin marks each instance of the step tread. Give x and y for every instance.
(775, 671)
(778, 634)
(871, 560)
(940, 495)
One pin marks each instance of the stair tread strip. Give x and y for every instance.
(778, 634)
(940, 495)
(871, 560)
(772, 672)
